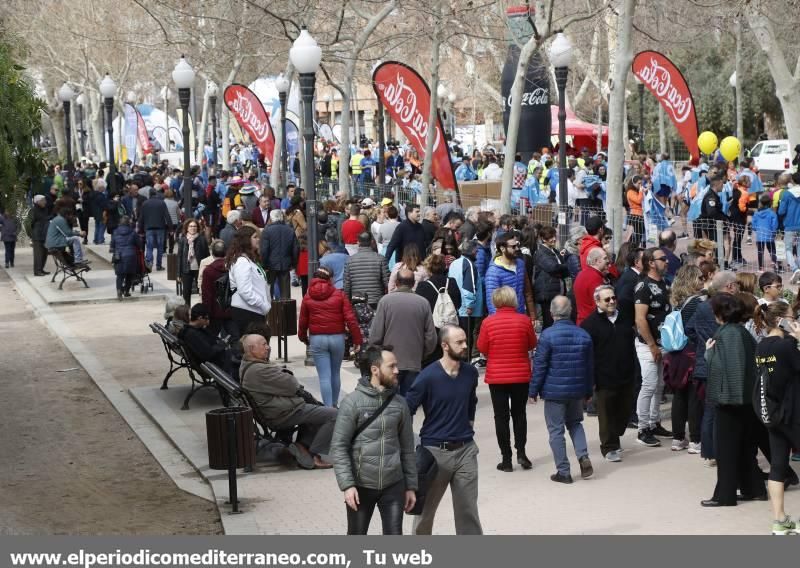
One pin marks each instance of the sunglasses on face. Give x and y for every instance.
(661, 258)
(609, 299)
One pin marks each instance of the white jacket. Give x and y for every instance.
(252, 292)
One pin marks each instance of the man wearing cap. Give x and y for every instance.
(249, 199)
(464, 171)
(39, 234)
(202, 344)
(394, 163)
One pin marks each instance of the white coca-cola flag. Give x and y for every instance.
(250, 114)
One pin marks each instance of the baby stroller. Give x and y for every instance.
(142, 277)
(364, 314)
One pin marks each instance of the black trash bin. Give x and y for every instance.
(217, 424)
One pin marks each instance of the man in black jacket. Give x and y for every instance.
(626, 283)
(279, 253)
(614, 369)
(154, 220)
(202, 344)
(408, 232)
(41, 219)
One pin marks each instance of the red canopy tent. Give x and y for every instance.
(579, 133)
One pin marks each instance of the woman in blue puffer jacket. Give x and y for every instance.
(125, 247)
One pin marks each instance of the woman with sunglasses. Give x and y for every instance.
(777, 355)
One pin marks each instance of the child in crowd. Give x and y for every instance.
(765, 225)
(771, 286)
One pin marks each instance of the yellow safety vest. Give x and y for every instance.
(355, 163)
(334, 168)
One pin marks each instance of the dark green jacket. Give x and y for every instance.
(381, 455)
(731, 366)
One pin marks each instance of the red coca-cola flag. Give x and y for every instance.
(664, 80)
(250, 113)
(141, 132)
(407, 98)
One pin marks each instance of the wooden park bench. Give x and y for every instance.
(66, 268)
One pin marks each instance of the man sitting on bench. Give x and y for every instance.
(275, 391)
(61, 235)
(203, 345)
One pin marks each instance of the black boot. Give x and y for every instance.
(523, 460)
(119, 294)
(505, 465)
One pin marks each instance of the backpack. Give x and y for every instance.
(673, 337)
(223, 291)
(770, 411)
(444, 311)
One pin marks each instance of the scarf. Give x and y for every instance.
(190, 238)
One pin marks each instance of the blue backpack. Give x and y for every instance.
(673, 337)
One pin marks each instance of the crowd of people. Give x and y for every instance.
(422, 297)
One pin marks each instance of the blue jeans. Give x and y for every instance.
(328, 352)
(707, 433)
(559, 414)
(99, 232)
(154, 239)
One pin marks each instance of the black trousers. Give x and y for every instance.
(390, 503)
(124, 282)
(284, 283)
(637, 224)
(780, 447)
(770, 246)
(187, 282)
(735, 445)
(686, 406)
(613, 407)
(738, 233)
(473, 324)
(547, 317)
(508, 401)
(243, 318)
(39, 256)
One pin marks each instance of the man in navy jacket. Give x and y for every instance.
(563, 376)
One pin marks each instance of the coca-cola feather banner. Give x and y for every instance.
(407, 98)
(144, 137)
(249, 112)
(667, 84)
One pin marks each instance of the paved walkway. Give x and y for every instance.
(654, 491)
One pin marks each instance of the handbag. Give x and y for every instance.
(116, 258)
(427, 470)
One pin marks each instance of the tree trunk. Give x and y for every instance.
(433, 111)
(201, 131)
(787, 87)
(56, 114)
(225, 119)
(616, 136)
(739, 118)
(514, 116)
(96, 119)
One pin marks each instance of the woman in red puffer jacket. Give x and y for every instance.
(505, 339)
(324, 313)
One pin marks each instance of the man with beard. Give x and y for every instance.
(446, 390)
(651, 305)
(373, 430)
(508, 269)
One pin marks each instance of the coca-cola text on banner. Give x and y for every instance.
(407, 98)
(668, 85)
(249, 112)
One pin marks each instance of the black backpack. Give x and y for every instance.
(223, 291)
(772, 412)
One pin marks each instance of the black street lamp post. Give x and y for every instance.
(107, 90)
(560, 57)
(283, 86)
(183, 76)
(66, 94)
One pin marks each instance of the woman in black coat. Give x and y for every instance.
(551, 272)
(192, 249)
(125, 247)
(429, 289)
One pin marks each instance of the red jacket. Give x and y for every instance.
(588, 243)
(208, 292)
(325, 310)
(588, 279)
(505, 339)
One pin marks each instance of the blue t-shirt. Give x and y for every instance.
(449, 403)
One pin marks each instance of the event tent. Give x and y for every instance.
(579, 133)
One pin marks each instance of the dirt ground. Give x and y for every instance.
(71, 465)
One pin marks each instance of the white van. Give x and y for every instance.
(771, 157)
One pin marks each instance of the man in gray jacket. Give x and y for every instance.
(278, 397)
(376, 465)
(366, 272)
(403, 319)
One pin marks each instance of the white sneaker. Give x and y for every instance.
(694, 447)
(795, 276)
(678, 445)
(710, 463)
(613, 456)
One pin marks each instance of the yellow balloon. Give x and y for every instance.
(707, 142)
(730, 148)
